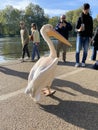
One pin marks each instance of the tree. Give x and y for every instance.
(9, 19)
(95, 23)
(53, 21)
(35, 14)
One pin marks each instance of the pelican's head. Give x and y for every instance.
(46, 28)
(49, 31)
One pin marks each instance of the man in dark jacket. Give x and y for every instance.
(63, 27)
(84, 28)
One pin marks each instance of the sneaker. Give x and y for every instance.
(92, 59)
(83, 64)
(77, 65)
(27, 58)
(22, 60)
(33, 60)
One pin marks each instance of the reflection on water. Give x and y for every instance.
(10, 48)
(2, 58)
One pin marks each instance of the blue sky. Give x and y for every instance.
(53, 7)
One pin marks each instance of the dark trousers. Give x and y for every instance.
(25, 50)
(94, 53)
(60, 46)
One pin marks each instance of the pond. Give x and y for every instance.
(10, 48)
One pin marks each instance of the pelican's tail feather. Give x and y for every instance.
(36, 94)
(33, 93)
(37, 97)
(27, 91)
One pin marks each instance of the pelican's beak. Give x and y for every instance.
(59, 37)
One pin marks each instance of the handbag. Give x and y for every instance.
(31, 37)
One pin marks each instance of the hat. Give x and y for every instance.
(86, 6)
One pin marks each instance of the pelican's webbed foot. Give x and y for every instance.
(48, 92)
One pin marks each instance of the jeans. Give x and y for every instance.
(35, 51)
(82, 42)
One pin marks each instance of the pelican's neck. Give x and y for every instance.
(50, 44)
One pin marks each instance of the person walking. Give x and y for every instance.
(24, 39)
(84, 28)
(36, 40)
(63, 27)
(95, 45)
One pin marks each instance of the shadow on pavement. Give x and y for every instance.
(68, 63)
(8, 71)
(81, 114)
(57, 83)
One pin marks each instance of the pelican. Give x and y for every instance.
(42, 73)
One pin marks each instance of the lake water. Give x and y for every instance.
(10, 48)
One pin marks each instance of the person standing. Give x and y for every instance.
(36, 40)
(24, 39)
(95, 45)
(63, 27)
(84, 28)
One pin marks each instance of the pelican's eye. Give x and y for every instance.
(50, 27)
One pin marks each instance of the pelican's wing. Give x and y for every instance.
(34, 68)
(43, 70)
(40, 78)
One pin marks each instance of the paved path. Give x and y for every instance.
(74, 106)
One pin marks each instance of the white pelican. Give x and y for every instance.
(42, 73)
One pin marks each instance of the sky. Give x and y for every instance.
(53, 7)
